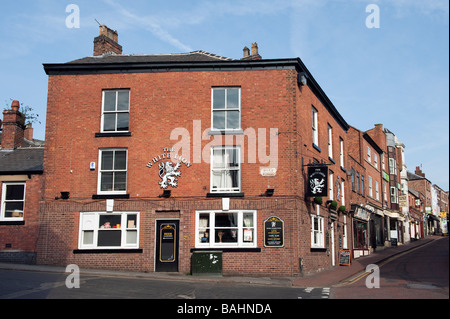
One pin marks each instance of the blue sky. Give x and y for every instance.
(397, 74)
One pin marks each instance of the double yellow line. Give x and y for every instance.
(362, 274)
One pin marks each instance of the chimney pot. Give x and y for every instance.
(15, 105)
(246, 52)
(254, 48)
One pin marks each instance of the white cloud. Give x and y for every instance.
(150, 24)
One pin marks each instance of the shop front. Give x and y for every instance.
(377, 228)
(415, 225)
(360, 221)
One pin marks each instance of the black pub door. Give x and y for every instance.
(167, 244)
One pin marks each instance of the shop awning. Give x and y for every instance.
(432, 217)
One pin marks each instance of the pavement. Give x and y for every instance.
(327, 278)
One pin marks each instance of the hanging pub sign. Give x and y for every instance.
(317, 185)
(273, 232)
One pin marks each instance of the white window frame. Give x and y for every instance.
(370, 187)
(392, 166)
(330, 141)
(225, 109)
(315, 127)
(90, 222)
(377, 193)
(394, 195)
(375, 160)
(100, 171)
(330, 185)
(241, 228)
(341, 150)
(368, 155)
(344, 234)
(4, 201)
(317, 235)
(342, 192)
(116, 111)
(238, 168)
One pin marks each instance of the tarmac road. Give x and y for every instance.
(422, 273)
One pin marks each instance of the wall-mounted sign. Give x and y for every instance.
(169, 166)
(273, 232)
(317, 185)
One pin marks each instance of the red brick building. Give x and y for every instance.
(152, 159)
(21, 184)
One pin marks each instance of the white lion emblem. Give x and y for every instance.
(316, 185)
(168, 174)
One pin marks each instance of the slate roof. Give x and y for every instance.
(195, 56)
(22, 160)
(27, 159)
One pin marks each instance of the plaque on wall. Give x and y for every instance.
(273, 232)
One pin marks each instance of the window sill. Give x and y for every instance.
(111, 196)
(331, 160)
(112, 134)
(12, 222)
(108, 251)
(318, 249)
(224, 194)
(228, 250)
(317, 147)
(226, 132)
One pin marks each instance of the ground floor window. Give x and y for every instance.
(13, 201)
(360, 235)
(317, 234)
(225, 228)
(100, 230)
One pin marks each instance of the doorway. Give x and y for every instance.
(167, 245)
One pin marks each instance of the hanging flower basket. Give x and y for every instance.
(318, 200)
(342, 208)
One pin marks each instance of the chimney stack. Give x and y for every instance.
(13, 127)
(254, 56)
(107, 42)
(419, 171)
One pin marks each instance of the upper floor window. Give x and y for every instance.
(341, 151)
(368, 154)
(392, 166)
(330, 141)
(225, 169)
(226, 109)
(13, 201)
(315, 132)
(112, 178)
(116, 111)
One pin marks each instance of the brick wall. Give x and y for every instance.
(18, 240)
(160, 102)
